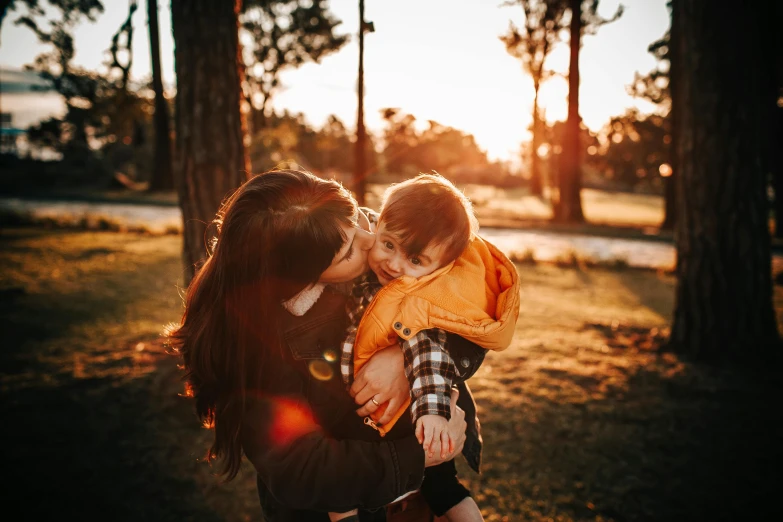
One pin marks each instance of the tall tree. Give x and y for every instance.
(777, 132)
(360, 146)
(723, 93)
(162, 173)
(283, 34)
(544, 22)
(211, 156)
(584, 20)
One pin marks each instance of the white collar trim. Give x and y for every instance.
(301, 303)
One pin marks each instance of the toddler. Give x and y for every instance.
(431, 273)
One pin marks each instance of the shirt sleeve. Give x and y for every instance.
(431, 372)
(354, 307)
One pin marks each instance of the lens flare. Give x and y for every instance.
(321, 370)
(290, 420)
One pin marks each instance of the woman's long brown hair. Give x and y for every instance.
(275, 236)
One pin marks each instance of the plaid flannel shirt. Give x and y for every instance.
(428, 366)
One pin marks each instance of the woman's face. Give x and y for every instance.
(351, 260)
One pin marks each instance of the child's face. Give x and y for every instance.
(389, 261)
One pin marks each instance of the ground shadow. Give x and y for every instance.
(664, 441)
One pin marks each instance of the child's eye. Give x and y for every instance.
(388, 245)
(415, 261)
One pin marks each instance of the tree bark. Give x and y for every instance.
(536, 185)
(162, 173)
(669, 203)
(211, 156)
(569, 209)
(721, 96)
(777, 172)
(777, 133)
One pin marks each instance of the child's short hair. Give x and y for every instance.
(429, 209)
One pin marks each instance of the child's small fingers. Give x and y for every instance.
(445, 446)
(420, 432)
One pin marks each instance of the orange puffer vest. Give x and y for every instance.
(476, 297)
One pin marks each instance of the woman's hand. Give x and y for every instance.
(456, 431)
(382, 378)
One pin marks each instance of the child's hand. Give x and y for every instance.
(433, 431)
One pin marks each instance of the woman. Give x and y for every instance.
(259, 340)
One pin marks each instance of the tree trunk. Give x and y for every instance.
(536, 187)
(360, 164)
(162, 173)
(777, 172)
(777, 134)
(569, 210)
(722, 95)
(211, 157)
(669, 203)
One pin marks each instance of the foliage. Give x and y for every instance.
(288, 138)
(553, 139)
(544, 24)
(654, 86)
(592, 21)
(542, 30)
(283, 34)
(449, 151)
(34, 8)
(635, 148)
(102, 112)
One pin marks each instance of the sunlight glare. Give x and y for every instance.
(290, 420)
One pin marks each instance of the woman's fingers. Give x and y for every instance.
(370, 407)
(391, 408)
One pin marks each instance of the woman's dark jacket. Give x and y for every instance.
(308, 446)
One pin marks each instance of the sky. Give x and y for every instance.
(438, 60)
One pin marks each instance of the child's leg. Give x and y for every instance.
(465, 511)
(444, 492)
(348, 516)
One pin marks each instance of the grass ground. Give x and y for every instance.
(584, 419)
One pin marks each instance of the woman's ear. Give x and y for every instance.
(367, 219)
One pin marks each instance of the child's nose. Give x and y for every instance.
(394, 263)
